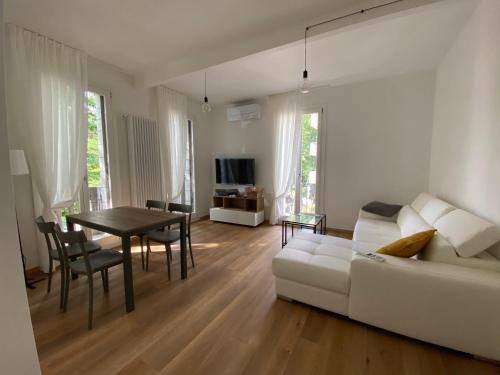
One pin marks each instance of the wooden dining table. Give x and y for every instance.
(126, 222)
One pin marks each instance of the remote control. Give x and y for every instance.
(372, 256)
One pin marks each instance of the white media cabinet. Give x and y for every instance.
(238, 210)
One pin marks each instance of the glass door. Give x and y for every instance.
(188, 194)
(303, 196)
(95, 193)
(308, 164)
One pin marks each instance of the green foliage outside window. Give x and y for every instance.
(308, 161)
(93, 165)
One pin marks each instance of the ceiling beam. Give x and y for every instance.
(270, 39)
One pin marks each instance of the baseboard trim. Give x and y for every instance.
(484, 359)
(283, 298)
(35, 273)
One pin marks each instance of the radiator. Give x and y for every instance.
(144, 160)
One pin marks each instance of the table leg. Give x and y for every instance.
(183, 250)
(282, 234)
(324, 225)
(286, 232)
(127, 274)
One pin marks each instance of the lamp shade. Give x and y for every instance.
(18, 164)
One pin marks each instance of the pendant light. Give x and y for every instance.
(305, 86)
(206, 107)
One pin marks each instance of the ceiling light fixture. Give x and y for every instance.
(206, 107)
(305, 87)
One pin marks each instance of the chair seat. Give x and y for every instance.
(166, 236)
(98, 261)
(74, 250)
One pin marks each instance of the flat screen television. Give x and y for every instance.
(235, 171)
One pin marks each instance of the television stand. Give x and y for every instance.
(238, 210)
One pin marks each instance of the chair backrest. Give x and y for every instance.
(184, 209)
(159, 205)
(71, 238)
(47, 228)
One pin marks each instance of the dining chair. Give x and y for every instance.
(87, 265)
(150, 204)
(47, 228)
(168, 236)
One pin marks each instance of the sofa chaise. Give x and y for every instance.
(448, 295)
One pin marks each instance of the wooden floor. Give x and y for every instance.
(225, 319)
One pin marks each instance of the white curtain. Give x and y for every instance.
(172, 121)
(286, 122)
(46, 112)
(46, 115)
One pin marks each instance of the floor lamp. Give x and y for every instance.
(19, 167)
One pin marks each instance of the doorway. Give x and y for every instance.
(304, 195)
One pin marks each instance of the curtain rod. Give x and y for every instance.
(45, 36)
(362, 11)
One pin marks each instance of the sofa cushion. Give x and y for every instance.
(469, 234)
(421, 201)
(434, 209)
(376, 231)
(410, 222)
(323, 263)
(441, 251)
(408, 247)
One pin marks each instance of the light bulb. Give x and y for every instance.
(305, 87)
(205, 107)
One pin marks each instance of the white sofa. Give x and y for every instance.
(449, 296)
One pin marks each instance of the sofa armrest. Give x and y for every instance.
(368, 215)
(448, 305)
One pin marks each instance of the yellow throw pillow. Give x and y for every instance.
(408, 246)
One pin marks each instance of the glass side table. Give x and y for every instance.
(315, 222)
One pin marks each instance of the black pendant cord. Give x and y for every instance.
(305, 50)
(362, 11)
(206, 99)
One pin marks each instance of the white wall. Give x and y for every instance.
(465, 162)
(378, 141)
(17, 345)
(236, 140)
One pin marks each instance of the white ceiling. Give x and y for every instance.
(411, 41)
(157, 39)
(138, 34)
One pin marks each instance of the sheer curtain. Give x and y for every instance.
(286, 145)
(46, 114)
(172, 121)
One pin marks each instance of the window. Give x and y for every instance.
(188, 195)
(303, 195)
(95, 193)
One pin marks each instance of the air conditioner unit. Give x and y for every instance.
(243, 113)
